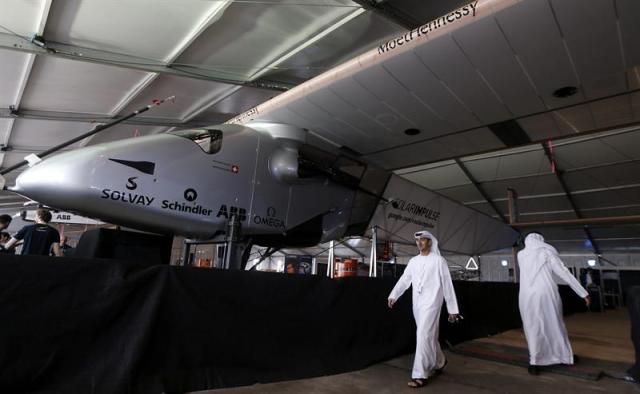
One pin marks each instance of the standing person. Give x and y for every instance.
(540, 303)
(38, 238)
(5, 221)
(428, 274)
(65, 248)
(4, 238)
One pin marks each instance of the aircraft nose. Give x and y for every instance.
(55, 181)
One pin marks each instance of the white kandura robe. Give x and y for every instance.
(429, 276)
(541, 306)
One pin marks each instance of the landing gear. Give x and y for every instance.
(232, 253)
(235, 253)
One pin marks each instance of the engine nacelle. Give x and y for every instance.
(283, 163)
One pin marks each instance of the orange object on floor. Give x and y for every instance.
(347, 268)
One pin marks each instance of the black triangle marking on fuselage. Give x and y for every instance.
(146, 167)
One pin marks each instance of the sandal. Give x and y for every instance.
(438, 371)
(417, 383)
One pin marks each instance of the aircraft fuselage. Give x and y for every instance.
(169, 183)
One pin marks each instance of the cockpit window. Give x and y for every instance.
(209, 140)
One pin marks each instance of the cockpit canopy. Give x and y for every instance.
(209, 140)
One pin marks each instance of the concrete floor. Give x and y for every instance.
(598, 338)
(604, 336)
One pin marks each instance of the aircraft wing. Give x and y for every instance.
(459, 229)
(367, 104)
(483, 77)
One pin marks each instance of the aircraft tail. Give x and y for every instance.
(406, 207)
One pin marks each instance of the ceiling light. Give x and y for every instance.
(566, 91)
(412, 131)
(504, 263)
(591, 263)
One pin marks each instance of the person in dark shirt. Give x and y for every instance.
(5, 221)
(4, 238)
(38, 238)
(67, 250)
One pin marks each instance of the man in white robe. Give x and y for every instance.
(540, 303)
(428, 274)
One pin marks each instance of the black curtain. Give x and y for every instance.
(633, 302)
(101, 326)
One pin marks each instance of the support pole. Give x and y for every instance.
(231, 258)
(186, 248)
(373, 265)
(512, 198)
(330, 262)
(516, 271)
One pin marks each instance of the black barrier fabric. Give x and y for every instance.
(124, 245)
(90, 326)
(628, 278)
(489, 308)
(633, 302)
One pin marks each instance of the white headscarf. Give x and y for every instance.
(434, 241)
(434, 250)
(535, 241)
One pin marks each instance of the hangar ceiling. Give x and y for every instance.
(99, 60)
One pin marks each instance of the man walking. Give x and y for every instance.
(540, 303)
(428, 274)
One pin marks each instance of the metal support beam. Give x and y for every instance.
(390, 12)
(199, 28)
(26, 73)
(344, 242)
(282, 57)
(574, 193)
(93, 118)
(479, 188)
(215, 9)
(21, 44)
(580, 222)
(608, 261)
(210, 102)
(567, 192)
